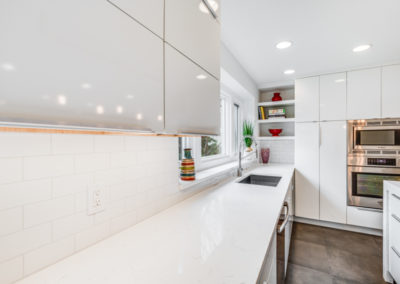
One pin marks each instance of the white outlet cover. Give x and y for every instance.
(96, 199)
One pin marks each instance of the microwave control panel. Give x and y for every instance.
(382, 162)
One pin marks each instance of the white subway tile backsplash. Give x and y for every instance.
(108, 143)
(46, 255)
(10, 170)
(24, 144)
(71, 225)
(20, 193)
(47, 211)
(72, 144)
(71, 184)
(90, 162)
(81, 201)
(16, 244)
(47, 166)
(113, 210)
(43, 192)
(91, 235)
(10, 221)
(138, 143)
(11, 270)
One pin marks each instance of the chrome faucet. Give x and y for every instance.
(240, 169)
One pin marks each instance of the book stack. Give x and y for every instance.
(272, 113)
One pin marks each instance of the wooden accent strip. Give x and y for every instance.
(87, 132)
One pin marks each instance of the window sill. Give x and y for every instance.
(213, 175)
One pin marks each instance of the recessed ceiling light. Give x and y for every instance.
(130, 97)
(160, 117)
(204, 9)
(86, 86)
(283, 44)
(288, 72)
(100, 109)
(62, 100)
(139, 116)
(120, 109)
(362, 47)
(340, 80)
(201, 77)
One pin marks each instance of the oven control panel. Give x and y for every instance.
(381, 162)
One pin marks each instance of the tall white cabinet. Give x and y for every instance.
(307, 99)
(307, 170)
(391, 91)
(332, 163)
(364, 94)
(320, 149)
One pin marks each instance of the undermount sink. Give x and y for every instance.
(261, 180)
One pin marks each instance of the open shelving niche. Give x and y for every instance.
(286, 124)
(282, 146)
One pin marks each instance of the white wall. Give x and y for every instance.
(43, 183)
(236, 81)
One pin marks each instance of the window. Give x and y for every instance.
(209, 151)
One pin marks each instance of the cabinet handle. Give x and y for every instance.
(369, 209)
(396, 251)
(396, 196)
(396, 218)
(282, 227)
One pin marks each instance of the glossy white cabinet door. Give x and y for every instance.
(391, 91)
(307, 170)
(364, 217)
(307, 99)
(333, 197)
(192, 105)
(332, 97)
(194, 33)
(149, 13)
(80, 63)
(364, 94)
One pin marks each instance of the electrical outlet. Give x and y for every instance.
(96, 199)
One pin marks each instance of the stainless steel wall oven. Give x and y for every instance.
(373, 156)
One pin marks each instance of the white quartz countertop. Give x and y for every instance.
(217, 236)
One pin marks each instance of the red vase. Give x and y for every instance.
(276, 97)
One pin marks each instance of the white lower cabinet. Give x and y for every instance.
(364, 217)
(332, 164)
(307, 170)
(268, 273)
(391, 231)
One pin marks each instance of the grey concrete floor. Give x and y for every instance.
(322, 255)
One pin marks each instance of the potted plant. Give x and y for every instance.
(248, 129)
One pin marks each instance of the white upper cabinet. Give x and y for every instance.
(333, 200)
(364, 94)
(192, 100)
(391, 91)
(307, 170)
(194, 33)
(307, 99)
(332, 97)
(80, 63)
(150, 13)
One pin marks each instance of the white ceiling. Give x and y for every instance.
(323, 33)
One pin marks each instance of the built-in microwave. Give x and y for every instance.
(374, 135)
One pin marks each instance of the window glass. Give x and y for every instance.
(210, 145)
